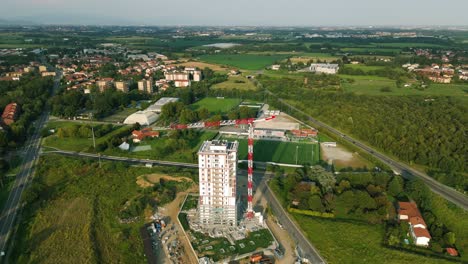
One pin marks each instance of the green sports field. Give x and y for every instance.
(279, 151)
(244, 61)
(215, 105)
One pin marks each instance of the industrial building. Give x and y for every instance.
(157, 107)
(324, 68)
(217, 162)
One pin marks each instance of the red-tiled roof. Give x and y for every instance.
(146, 132)
(421, 232)
(452, 252)
(10, 113)
(417, 220)
(408, 208)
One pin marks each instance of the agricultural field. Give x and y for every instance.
(354, 242)
(215, 105)
(364, 68)
(305, 57)
(236, 82)
(243, 61)
(279, 151)
(72, 210)
(372, 85)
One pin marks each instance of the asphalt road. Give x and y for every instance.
(23, 178)
(447, 192)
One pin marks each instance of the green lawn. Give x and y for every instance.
(243, 61)
(75, 143)
(363, 67)
(215, 105)
(349, 242)
(281, 152)
(236, 82)
(372, 50)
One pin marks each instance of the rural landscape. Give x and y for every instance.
(233, 144)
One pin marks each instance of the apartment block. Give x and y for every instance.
(217, 162)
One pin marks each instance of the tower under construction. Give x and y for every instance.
(217, 162)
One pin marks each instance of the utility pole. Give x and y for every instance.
(297, 147)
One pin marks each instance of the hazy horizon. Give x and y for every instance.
(240, 13)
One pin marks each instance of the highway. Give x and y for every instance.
(23, 178)
(448, 193)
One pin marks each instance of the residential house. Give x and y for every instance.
(145, 86)
(408, 212)
(105, 83)
(122, 86)
(10, 113)
(139, 135)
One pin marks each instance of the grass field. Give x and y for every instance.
(364, 67)
(371, 85)
(281, 152)
(243, 61)
(349, 242)
(74, 143)
(215, 105)
(73, 218)
(305, 57)
(235, 82)
(372, 50)
(158, 146)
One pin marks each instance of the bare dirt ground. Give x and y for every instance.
(202, 65)
(342, 157)
(150, 179)
(172, 210)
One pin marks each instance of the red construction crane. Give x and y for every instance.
(247, 121)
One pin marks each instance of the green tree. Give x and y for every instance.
(315, 203)
(395, 186)
(449, 238)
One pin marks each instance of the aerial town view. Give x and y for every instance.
(246, 132)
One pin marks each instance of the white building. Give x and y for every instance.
(324, 68)
(157, 107)
(217, 162)
(145, 118)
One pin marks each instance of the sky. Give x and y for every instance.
(240, 12)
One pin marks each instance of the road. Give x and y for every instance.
(23, 178)
(447, 192)
(307, 249)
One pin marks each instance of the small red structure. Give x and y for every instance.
(452, 252)
(139, 135)
(10, 113)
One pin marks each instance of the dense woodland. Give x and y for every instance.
(31, 94)
(416, 130)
